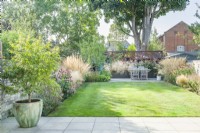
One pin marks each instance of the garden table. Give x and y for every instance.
(139, 72)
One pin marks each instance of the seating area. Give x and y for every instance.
(139, 73)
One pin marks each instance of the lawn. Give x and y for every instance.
(130, 99)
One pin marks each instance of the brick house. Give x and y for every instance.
(179, 38)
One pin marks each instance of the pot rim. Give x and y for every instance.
(25, 101)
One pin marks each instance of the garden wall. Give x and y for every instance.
(6, 103)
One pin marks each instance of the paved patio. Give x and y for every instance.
(106, 125)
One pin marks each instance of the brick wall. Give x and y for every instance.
(179, 35)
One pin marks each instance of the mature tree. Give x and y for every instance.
(69, 21)
(65, 23)
(93, 51)
(155, 43)
(135, 17)
(195, 27)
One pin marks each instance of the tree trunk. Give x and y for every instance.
(29, 97)
(147, 25)
(136, 35)
(141, 33)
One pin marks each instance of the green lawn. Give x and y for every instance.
(130, 99)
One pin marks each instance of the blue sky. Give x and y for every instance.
(163, 23)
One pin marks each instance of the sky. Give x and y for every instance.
(163, 23)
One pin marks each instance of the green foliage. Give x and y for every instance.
(32, 63)
(191, 81)
(20, 16)
(9, 75)
(93, 51)
(131, 47)
(65, 84)
(120, 46)
(103, 76)
(148, 64)
(70, 22)
(5, 86)
(64, 80)
(106, 73)
(195, 27)
(171, 77)
(73, 23)
(170, 68)
(116, 35)
(51, 95)
(194, 86)
(155, 44)
(7, 38)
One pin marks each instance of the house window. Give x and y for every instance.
(180, 48)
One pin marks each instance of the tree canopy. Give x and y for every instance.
(135, 17)
(115, 34)
(64, 23)
(195, 27)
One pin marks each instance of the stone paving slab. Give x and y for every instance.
(106, 125)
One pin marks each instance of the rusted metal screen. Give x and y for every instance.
(135, 55)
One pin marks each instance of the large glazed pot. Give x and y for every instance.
(28, 114)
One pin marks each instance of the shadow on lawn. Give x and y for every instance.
(144, 86)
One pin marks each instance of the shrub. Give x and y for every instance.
(106, 73)
(77, 79)
(103, 76)
(187, 70)
(182, 71)
(148, 64)
(63, 77)
(52, 97)
(131, 47)
(119, 67)
(182, 81)
(76, 63)
(171, 68)
(194, 83)
(169, 65)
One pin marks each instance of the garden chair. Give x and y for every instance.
(135, 73)
(144, 73)
(141, 67)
